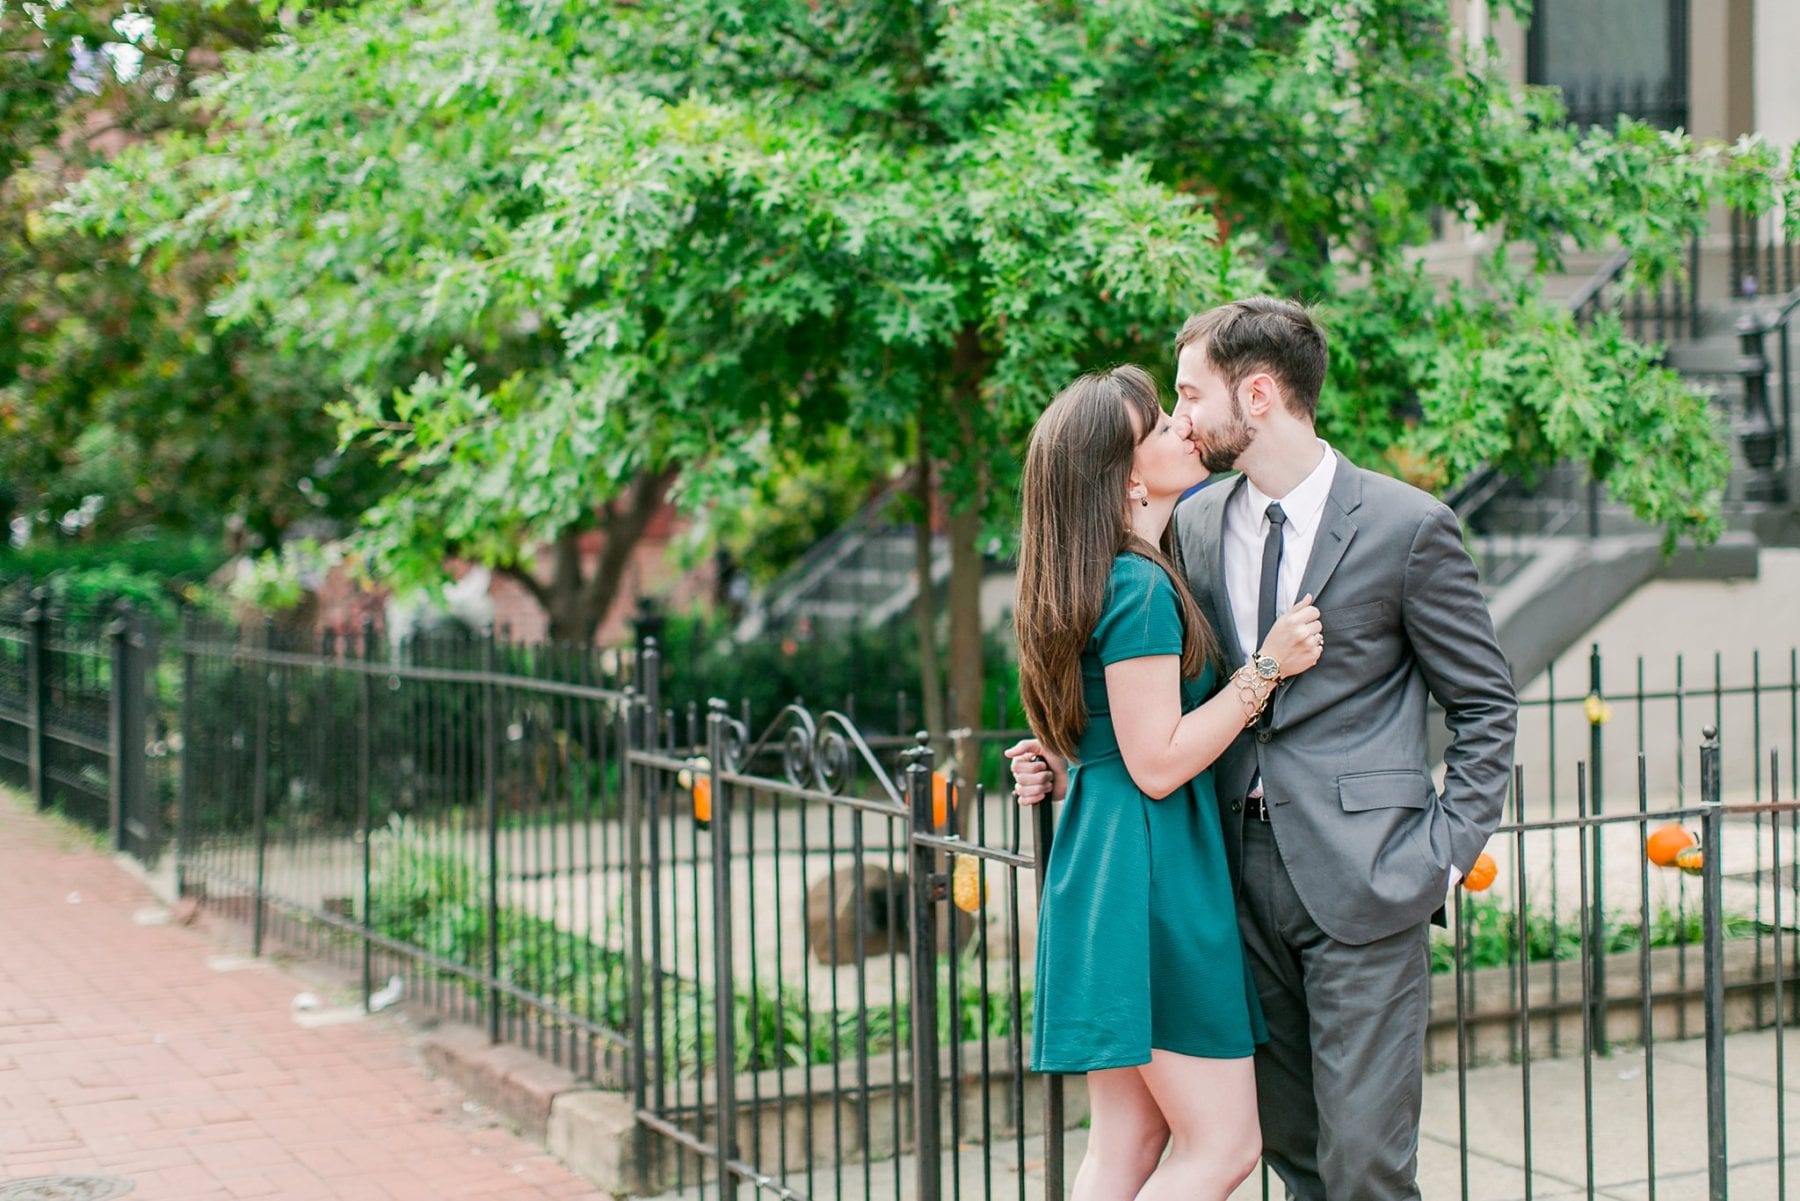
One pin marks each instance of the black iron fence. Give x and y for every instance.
(805, 952)
(80, 727)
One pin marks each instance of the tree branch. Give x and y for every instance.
(529, 582)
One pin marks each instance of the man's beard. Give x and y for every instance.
(1220, 449)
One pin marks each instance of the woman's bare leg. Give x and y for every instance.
(1214, 1137)
(1126, 1137)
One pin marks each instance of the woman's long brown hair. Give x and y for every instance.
(1076, 521)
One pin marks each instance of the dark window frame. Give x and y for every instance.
(1670, 111)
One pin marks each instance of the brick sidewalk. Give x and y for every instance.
(122, 1053)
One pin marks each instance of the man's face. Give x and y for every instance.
(1221, 431)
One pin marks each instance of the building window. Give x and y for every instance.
(1613, 57)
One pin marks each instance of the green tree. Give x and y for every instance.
(114, 383)
(565, 255)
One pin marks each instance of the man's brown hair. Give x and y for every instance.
(1263, 333)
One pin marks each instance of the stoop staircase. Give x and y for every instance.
(861, 577)
(1556, 554)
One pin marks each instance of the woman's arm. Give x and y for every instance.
(1164, 748)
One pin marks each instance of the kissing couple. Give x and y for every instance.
(1228, 694)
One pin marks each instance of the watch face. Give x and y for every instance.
(1266, 667)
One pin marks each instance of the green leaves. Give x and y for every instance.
(536, 253)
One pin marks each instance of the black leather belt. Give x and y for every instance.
(1257, 808)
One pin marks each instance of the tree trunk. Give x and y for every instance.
(931, 671)
(577, 604)
(967, 675)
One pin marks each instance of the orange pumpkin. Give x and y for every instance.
(1691, 860)
(943, 799)
(968, 890)
(1666, 843)
(1482, 875)
(696, 778)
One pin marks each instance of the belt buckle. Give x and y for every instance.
(1257, 807)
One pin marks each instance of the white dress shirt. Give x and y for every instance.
(1247, 525)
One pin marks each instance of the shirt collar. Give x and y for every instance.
(1304, 505)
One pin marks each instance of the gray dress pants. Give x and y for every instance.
(1340, 1079)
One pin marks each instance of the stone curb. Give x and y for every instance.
(592, 1131)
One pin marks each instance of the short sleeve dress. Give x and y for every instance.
(1138, 943)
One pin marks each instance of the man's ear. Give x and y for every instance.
(1261, 394)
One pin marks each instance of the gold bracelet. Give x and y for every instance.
(1254, 691)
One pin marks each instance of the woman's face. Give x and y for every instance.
(1166, 462)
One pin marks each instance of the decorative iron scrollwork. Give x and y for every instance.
(824, 754)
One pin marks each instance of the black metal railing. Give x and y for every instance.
(806, 955)
(851, 998)
(448, 827)
(1764, 259)
(78, 719)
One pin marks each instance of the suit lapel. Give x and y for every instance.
(1336, 528)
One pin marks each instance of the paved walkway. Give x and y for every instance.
(139, 1051)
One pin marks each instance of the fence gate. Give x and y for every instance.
(814, 1017)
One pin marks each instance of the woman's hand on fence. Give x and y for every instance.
(1037, 774)
(1297, 639)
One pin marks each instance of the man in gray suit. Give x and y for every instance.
(1341, 847)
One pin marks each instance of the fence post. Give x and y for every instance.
(184, 800)
(118, 634)
(1596, 710)
(1713, 937)
(365, 804)
(490, 818)
(651, 787)
(259, 787)
(125, 731)
(724, 994)
(1043, 828)
(926, 886)
(37, 696)
(631, 738)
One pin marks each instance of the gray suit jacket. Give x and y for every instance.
(1366, 837)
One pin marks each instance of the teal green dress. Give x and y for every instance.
(1138, 943)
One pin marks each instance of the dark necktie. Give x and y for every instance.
(1271, 572)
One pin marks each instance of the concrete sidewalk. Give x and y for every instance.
(131, 1047)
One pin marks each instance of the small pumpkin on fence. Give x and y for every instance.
(968, 889)
(1691, 860)
(1482, 875)
(1666, 843)
(697, 779)
(943, 799)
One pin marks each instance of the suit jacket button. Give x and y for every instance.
(1264, 735)
(1237, 806)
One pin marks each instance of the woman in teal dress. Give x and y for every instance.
(1141, 979)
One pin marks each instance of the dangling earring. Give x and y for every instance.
(1144, 501)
